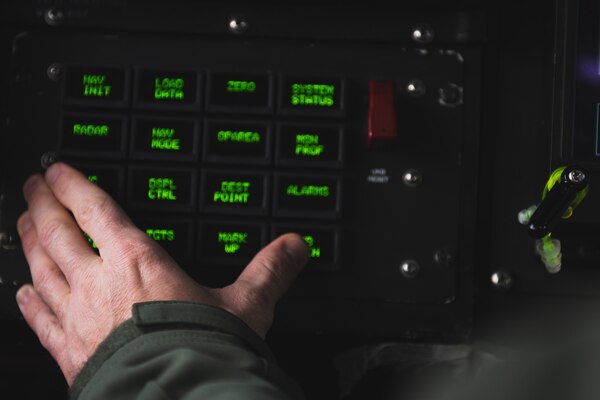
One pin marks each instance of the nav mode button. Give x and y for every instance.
(165, 138)
(162, 189)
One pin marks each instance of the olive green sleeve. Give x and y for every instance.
(179, 350)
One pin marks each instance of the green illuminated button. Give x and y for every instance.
(94, 134)
(176, 237)
(169, 189)
(230, 243)
(110, 179)
(226, 141)
(169, 88)
(323, 243)
(309, 145)
(312, 94)
(239, 92)
(234, 193)
(90, 84)
(307, 195)
(164, 138)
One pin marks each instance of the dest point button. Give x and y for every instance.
(96, 85)
(168, 189)
(234, 192)
(318, 95)
(302, 195)
(167, 89)
(175, 236)
(230, 243)
(323, 243)
(164, 138)
(95, 135)
(237, 142)
(318, 145)
(240, 92)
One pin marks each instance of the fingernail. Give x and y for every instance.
(23, 295)
(51, 173)
(24, 224)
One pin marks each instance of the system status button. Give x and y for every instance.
(234, 193)
(229, 243)
(164, 138)
(309, 145)
(162, 189)
(93, 134)
(319, 95)
(167, 88)
(95, 85)
(233, 142)
(307, 195)
(240, 92)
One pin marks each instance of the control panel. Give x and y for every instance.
(216, 146)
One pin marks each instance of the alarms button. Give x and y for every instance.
(307, 195)
(382, 112)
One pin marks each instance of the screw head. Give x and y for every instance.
(410, 268)
(416, 88)
(54, 16)
(238, 24)
(412, 178)
(47, 159)
(55, 72)
(423, 33)
(576, 176)
(450, 95)
(502, 281)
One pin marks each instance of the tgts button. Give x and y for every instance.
(312, 95)
(323, 242)
(306, 145)
(165, 138)
(230, 243)
(237, 142)
(250, 93)
(176, 237)
(168, 89)
(92, 85)
(94, 135)
(168, 189)
(234, 193)
(303, 195)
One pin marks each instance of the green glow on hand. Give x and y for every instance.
(90, 241)
(232, 192)
(161, 235)
(238, 136)
(161, 189)
(168, 88)
(241, 86)
(312, 94)
(95, 86)
(93, 178)
(308, 191)
(90, 130)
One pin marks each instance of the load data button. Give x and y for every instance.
(234, 193)
(323, 242)
(168, 89)
(168, 189)
(240, 92)
(300, 195)
(91, 85)
(164, 138)
(102, 136)
(229, 243)
(318, 145)
(237, 142)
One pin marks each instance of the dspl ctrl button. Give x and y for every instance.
(169, 189)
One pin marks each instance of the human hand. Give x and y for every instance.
(78, 297)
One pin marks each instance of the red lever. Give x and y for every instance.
(382, 112)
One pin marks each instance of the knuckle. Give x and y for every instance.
(97, 208)
(51, 231)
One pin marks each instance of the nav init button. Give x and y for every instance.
(168, 189)
(91, 85)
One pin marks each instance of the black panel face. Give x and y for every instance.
(212, 162)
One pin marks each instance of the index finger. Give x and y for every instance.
(94, 210)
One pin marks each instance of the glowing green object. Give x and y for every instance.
(315, 252)
(163, 139)
(308, 145)
(90, 130)
(234, 86)
(95, 85)
(161, 235)
(224, 136)
(308, 191)
(93, 178)
(232, 241)
(169, 88)
(232, 192)
(312, 94)
(90, 241)
(162, 189)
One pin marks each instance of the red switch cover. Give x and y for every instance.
(382, 112)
